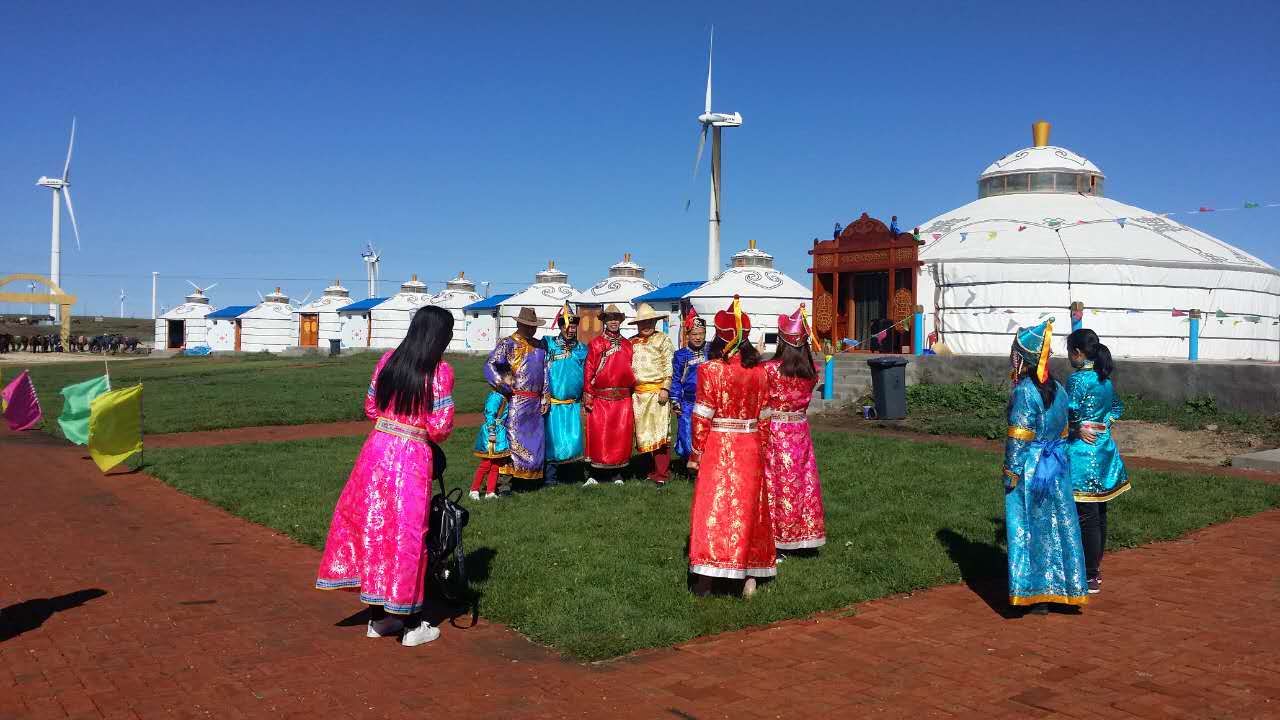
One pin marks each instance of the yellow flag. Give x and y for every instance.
(115, 426)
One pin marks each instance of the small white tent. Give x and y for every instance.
(224, 328)
(482, 323)
(765, 293)
(356, 322)
(269, 326)
(548, 293)
(318, 321)
(391, 318)
(458, 293)
(184, 325)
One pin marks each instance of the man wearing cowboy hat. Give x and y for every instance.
(516, 368)
(607, 399)
(566, 362)
(651, 356)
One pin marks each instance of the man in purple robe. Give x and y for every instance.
(515, 369)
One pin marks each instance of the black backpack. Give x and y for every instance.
(446, 557)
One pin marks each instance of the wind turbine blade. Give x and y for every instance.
(211, 287)
(710, 50)
(66, 169)
(306, 298)
(697, 163)
(193, 285)
(66, 195)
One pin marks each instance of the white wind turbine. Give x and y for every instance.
(122, 297)
(714, 122)
(371, 258)
(200, 292)
(60, 187)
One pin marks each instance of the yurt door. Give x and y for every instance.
(309, 330)
(589, 326)
(177, 332)
(237, 336)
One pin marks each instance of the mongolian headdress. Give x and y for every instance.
(1031, 348)
(796, 330)
(565, 317)
(732, 326)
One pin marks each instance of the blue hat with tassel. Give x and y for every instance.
(1032, 345)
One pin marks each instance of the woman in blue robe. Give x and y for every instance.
(684, 382)
(1046, 560)
(1097, 471)
(566, 363)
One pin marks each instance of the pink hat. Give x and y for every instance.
(793, 328)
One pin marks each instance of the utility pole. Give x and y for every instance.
(154, 279)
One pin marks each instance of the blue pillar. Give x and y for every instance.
(829, 379)
(1193, 353)
(1077, 316)
(917, 330)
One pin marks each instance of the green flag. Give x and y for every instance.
(75, 407)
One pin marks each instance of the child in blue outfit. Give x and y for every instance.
(1097, 471)
(492, 445)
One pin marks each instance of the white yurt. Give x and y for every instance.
(547, 294)
(268, 326)
(355, 322)
(1043, 235)
(318, 321)
(765, 293)
(482, 323)
(624, 283)
(391, 318)
(458, 293)
(184, 325)
(224, 328)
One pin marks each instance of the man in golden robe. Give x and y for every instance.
(651, 356)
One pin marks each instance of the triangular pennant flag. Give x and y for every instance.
(1122, 221)
(1249, 205)
(964, 236)
(1253, 318)
(115, 427)
(1219, 314)
(1021, 228)
(1179, 313)
(1094, 311)
(1236, 322)
(1130, 312)
(1205, 209)
(21, 405)
(76, 400)
(937, 236)
(991, 235)
(880, 336)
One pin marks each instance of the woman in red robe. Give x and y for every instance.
(731, 533)
(608, 382)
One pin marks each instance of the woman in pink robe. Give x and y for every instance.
(790, 469)
(376, 542)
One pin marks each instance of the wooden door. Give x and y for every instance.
(309, 330)
(237, 336)
(368, 336)
(589, 325)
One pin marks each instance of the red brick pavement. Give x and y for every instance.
(207, 615)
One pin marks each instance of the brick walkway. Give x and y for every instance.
(130, 600)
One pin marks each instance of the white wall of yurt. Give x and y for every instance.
(458, 293)
(325, 308)
(270, 326)
(764, 293)
(391, 318)
(355, 323)
(547, 295)
(221, 335)
(184, 325)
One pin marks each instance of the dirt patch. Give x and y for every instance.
(1162, 442)
(282, 433)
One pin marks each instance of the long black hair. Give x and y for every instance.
(1048, 389)
(406, 379)
(750, 356)
(796, 361)
(1086, 341)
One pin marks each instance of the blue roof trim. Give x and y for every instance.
(488, 303)
(229, 312)
(359, 305)
(667, 293)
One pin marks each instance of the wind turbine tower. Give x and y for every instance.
(60, 187)
(713, 122)
(371, 258)
(122, 297)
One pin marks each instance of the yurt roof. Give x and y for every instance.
(274, 306)
(362, 305)
(458, 293)
(488, 303)
(188, 310)
(230, 312)
(326, 303)
(550, 288)
(752, 275)
(624, 283)
(413, 295)
(1047, 157)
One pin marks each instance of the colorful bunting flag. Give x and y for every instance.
(1021, 228)
(880, 336)
(1180, 313)
(1253, 318)
(1093, 311)
(937, 236)
(1122, 221)
(1250, 205)
(76, 401)
(964, 236)
(1130, 312)
(1235, 323)
(21, 406)
(1205, 209)
(115, 427)
(991, 235)
(933, 338)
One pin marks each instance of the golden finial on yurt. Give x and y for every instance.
(751, 244)
(551, 264)
(1040, 133)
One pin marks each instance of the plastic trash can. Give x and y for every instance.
(889, 386)
(335, 347)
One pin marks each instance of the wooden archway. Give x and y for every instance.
(55, 296)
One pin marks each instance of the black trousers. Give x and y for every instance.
(1093, 534)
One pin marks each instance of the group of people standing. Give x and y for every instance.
(1061, 468)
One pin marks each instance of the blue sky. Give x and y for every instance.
(260, 144)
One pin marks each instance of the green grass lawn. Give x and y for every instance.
(599, 572)
(210, 393)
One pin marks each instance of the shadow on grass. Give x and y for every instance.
(31, 614)
(983, 566)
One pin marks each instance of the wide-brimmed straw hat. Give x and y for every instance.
(527, 316)
(646, 312)
(611, 311)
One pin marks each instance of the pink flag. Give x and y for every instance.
(1205, 209)
(22, 407)
(880, 336)
(1021, 228)
(1179, 313)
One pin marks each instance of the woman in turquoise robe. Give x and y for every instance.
(566, 363)
(1046, 559)
(1097, 471)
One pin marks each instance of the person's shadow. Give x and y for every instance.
(438, 609)
(983, 566)
(31, 614)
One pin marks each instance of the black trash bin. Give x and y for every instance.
(889, 386)
(335, 347)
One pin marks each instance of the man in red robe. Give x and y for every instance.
(607, 400)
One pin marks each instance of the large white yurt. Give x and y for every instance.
(356, 322)
(318, 321)
(1043, 235)
(224, 328)
(391, 318)
(547, 294)
(458, 293)
(764, 291)
(482, 323)
(269, 326)
(624, 283)
(184, 325)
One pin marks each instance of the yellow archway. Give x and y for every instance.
(55, 296)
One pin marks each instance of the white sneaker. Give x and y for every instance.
(420, 635)
(491, 496)
(619, 481)
(475, 495)
(590, 481)
(389, 626)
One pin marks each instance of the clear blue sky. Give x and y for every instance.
(272, 141)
